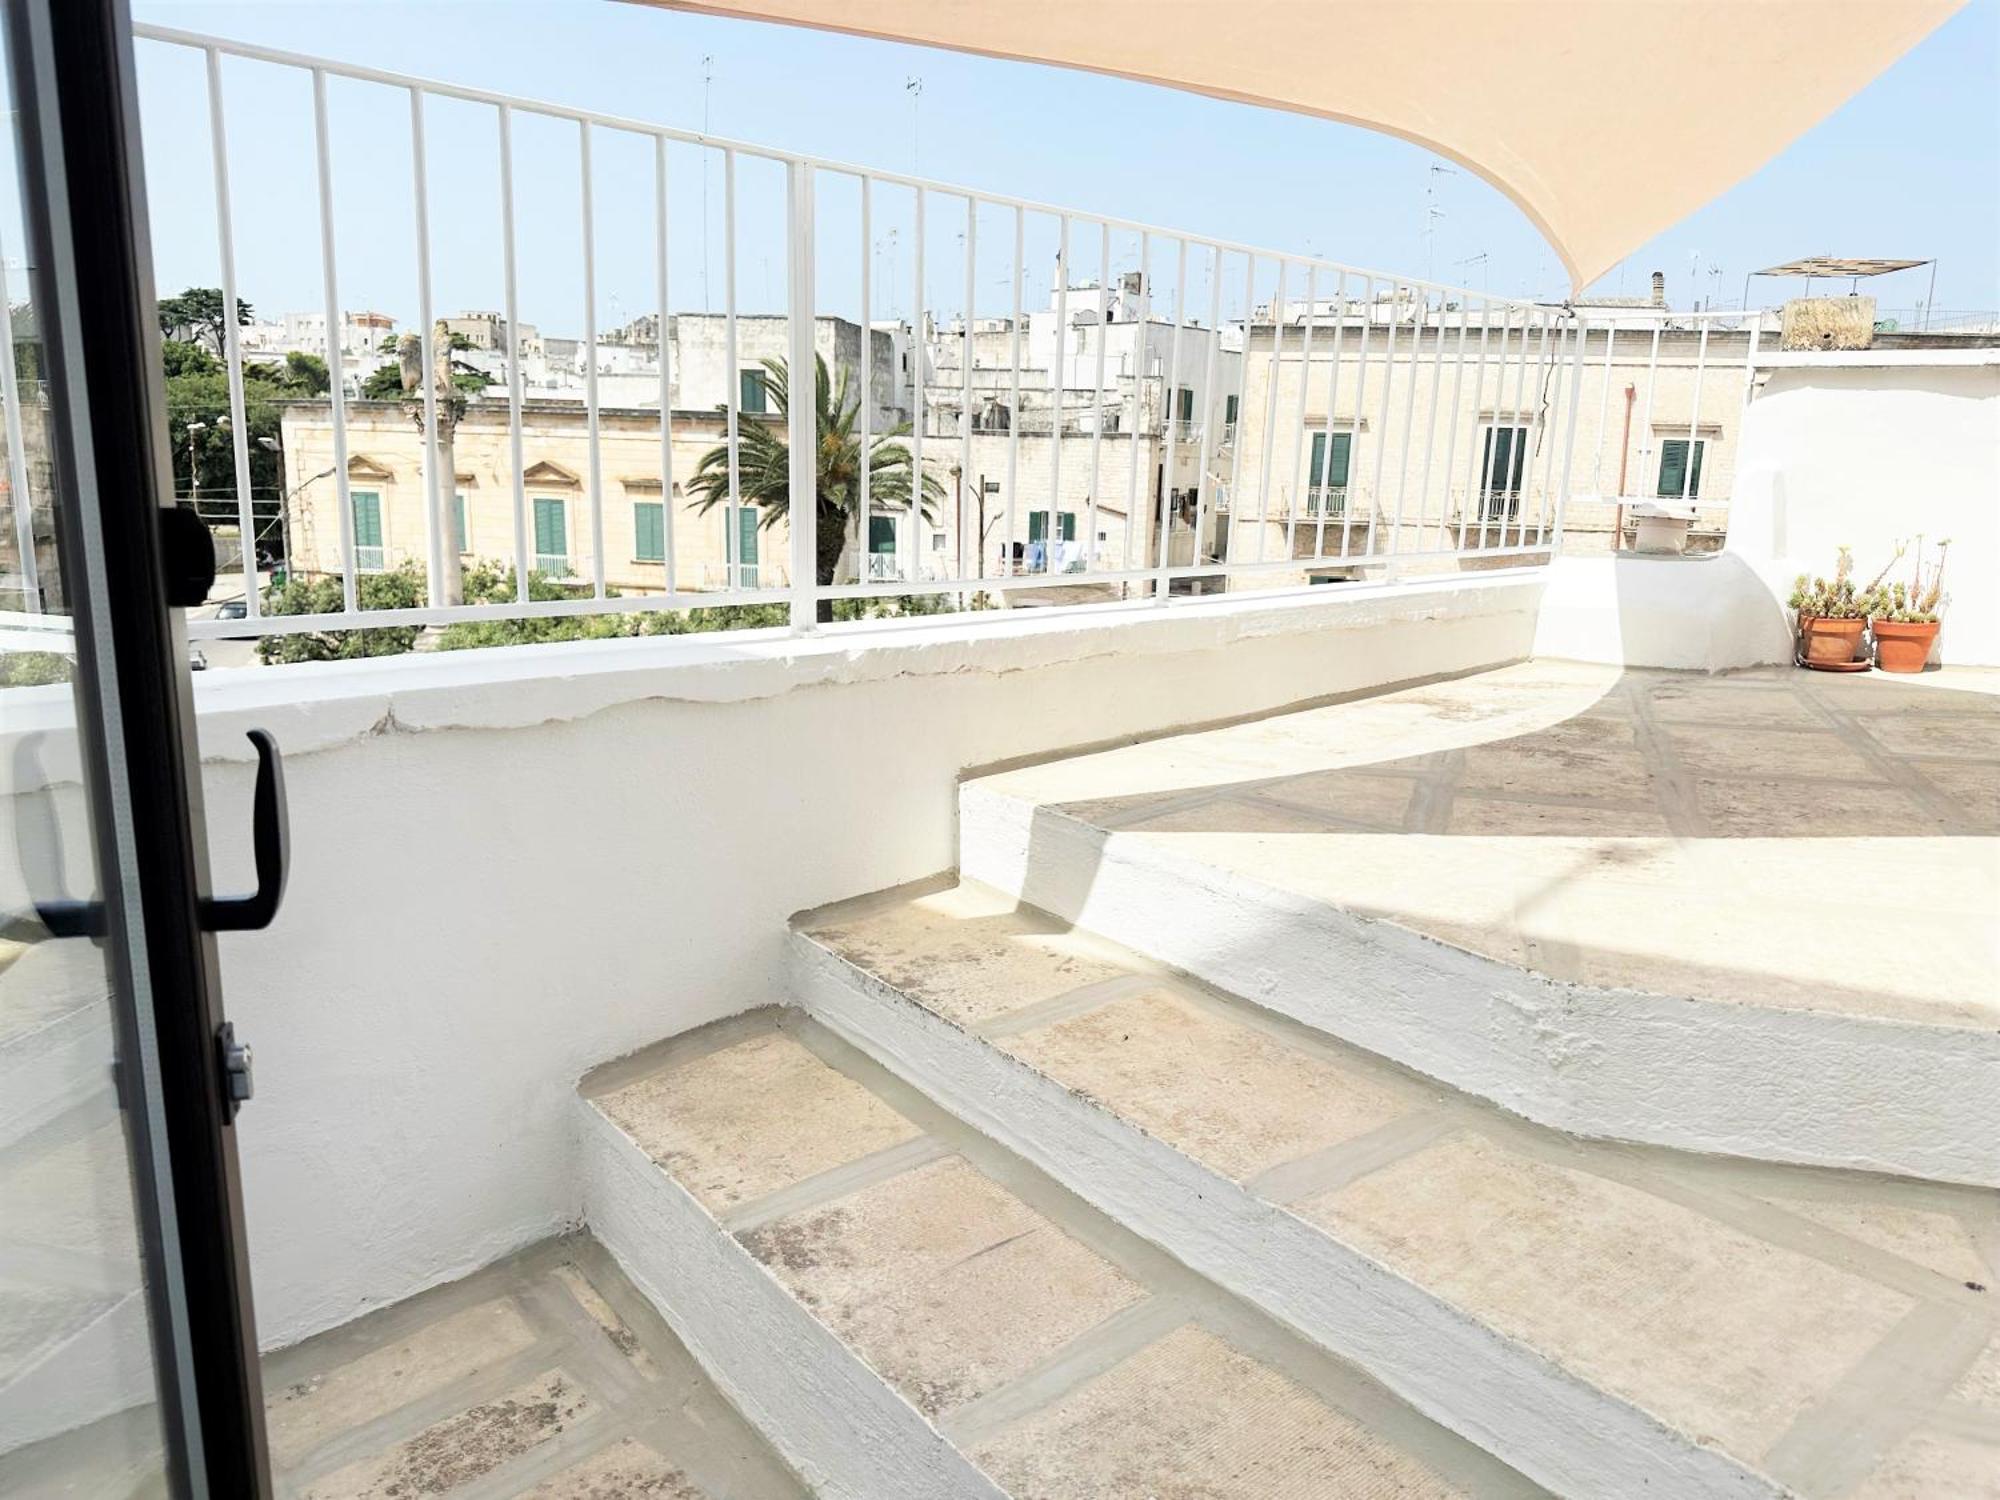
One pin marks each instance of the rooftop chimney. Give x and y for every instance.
(1659, 289)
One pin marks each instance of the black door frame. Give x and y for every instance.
(83, 197)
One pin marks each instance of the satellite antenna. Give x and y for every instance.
(1432, 213)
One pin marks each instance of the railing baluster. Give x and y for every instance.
(1451, 437)
(1323, 480)
(1052, 532)
(517, 463)
(239, 426)
(732, 535)
(1201, 506)
(1554, 380)
(1421, 314)
(434, 486)
(1165, 589)
(1475, 470)
(336, 366)
(965, 479)
(919, 349)
(1431, 429)
(1360, 411)
(593, 435)
(1237, 444)
(1569, 445)
(802, 412)
(1097, 401)
(1299, 418)
(1014, 409)
(865, 542)
(1270, 406)
(1646, 432)
(1141, 357)
(1694, 415)
(1388, 399)
(670, 574)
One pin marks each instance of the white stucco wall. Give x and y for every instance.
(1863, 450)
(1870, 454)
(511, 865)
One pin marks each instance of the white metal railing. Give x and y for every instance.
(1414, 392)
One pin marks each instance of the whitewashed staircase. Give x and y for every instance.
(998, 1206)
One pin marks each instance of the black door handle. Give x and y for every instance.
(271, 839)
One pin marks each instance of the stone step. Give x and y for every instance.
(905, 1309)
(1607, 1319)
(1748, 915)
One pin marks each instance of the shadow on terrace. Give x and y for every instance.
(1775, 836)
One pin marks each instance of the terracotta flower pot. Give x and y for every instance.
(1903, 645)
(1830, 644)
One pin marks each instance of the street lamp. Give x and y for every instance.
(221, 424)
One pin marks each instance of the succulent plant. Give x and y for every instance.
(1834, 598)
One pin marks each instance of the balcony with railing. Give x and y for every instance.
(1275, 953)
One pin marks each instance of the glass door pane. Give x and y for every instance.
(79, 1402)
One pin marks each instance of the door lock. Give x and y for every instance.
(238, 1083)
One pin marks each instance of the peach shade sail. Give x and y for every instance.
(1607, 121)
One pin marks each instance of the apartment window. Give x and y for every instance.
(649, 531)
(1504, 458)
(746, 548)
(1184, 400)
(1674, 476)
(1038, 525)
(881, 547)
(1327, 478)
(750, 392)
(368, 550)
(458, 531)
(551, 538)
(1229, 410)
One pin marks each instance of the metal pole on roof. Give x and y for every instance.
(1930, 297)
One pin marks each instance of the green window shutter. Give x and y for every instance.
(1673, 467)
(649, 531)
(1187, 404)
(881, 533)
(367, 519)
(750, 392)
(551, 537)
(458, 522)
(1068, 526)
(1336, 471)
(1229, 409)
(746, 547)
(1038, 525)
(1318, 465)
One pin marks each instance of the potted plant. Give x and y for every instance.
(1832, 615)
(1904, 617)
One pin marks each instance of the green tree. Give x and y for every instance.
(385, 382)
(763, 466)
(399, 588)
(300, 375)
(196, 316)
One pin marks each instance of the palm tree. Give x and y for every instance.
(764, 476)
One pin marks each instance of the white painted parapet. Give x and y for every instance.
(509, 865)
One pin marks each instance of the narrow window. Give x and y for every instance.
(750, 393)
(368, 549)
(649, 531)
(551, 538)
(1674, 476)
(458, 531)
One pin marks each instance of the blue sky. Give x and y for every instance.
(1908, 168)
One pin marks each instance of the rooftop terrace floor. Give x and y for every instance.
(1779, 837)
(546, 1376)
